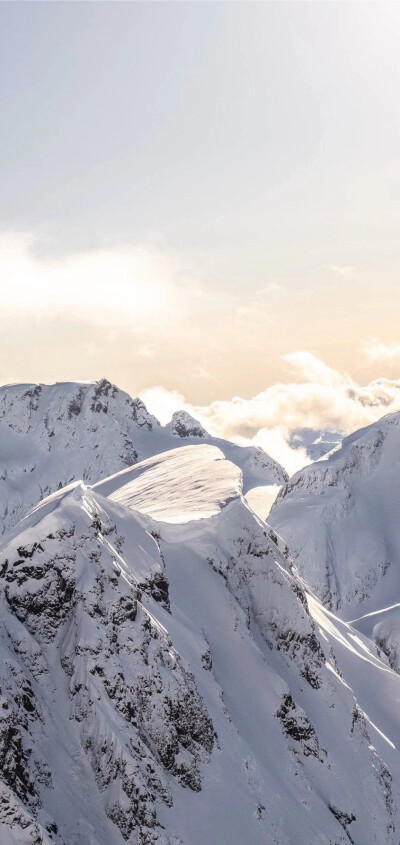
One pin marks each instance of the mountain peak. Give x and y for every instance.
(339, 516)
(145, 658)
(51, 435)
(184, 425)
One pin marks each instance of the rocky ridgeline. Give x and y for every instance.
(52, 435)
(161, 678)
(80, 647)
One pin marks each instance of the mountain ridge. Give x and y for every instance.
(164, 678)
(51, 435)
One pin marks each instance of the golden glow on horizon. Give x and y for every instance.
(138, 316)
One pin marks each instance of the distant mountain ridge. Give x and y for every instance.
(340, 518)
(51, 435)
(316, 443)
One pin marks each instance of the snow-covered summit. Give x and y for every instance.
(162, 680)
(51, 409)
(51, 435)
(184, 425)
(340, 519)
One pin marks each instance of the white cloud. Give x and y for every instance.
(325, 400)
(273, 441)
(162, 403)
(312, 369)
(375, 350)
(127, 285)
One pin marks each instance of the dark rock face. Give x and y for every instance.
(101, 392)
(52, 435)
(47, 607)
(274, 596)
(344, 819)
(14, 759)
(298, 728)
(157, 587)
(98, 603)
(131, 702)
(90, 431)
(184, 425)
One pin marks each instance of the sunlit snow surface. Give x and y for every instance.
(192, 482)
(152, 606)
(51, 435)
(340, 517)
(262, 498)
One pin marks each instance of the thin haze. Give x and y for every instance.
(191, 192)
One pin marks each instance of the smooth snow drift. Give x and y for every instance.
(193, 482)
(51, 435)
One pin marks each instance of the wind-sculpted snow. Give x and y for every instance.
(167, 679)
(340, 518)
(174, 486)
(51, 435)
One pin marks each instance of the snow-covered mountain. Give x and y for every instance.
(51, 435)
(315, 443)
(165, 678)
(340, 517)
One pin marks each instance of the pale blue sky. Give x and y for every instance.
(247, 152)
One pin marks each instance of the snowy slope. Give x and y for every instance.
(340, 517)
(173, 487)
(51, 435)
(164, 681)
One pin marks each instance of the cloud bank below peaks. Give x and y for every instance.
(318, 398)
